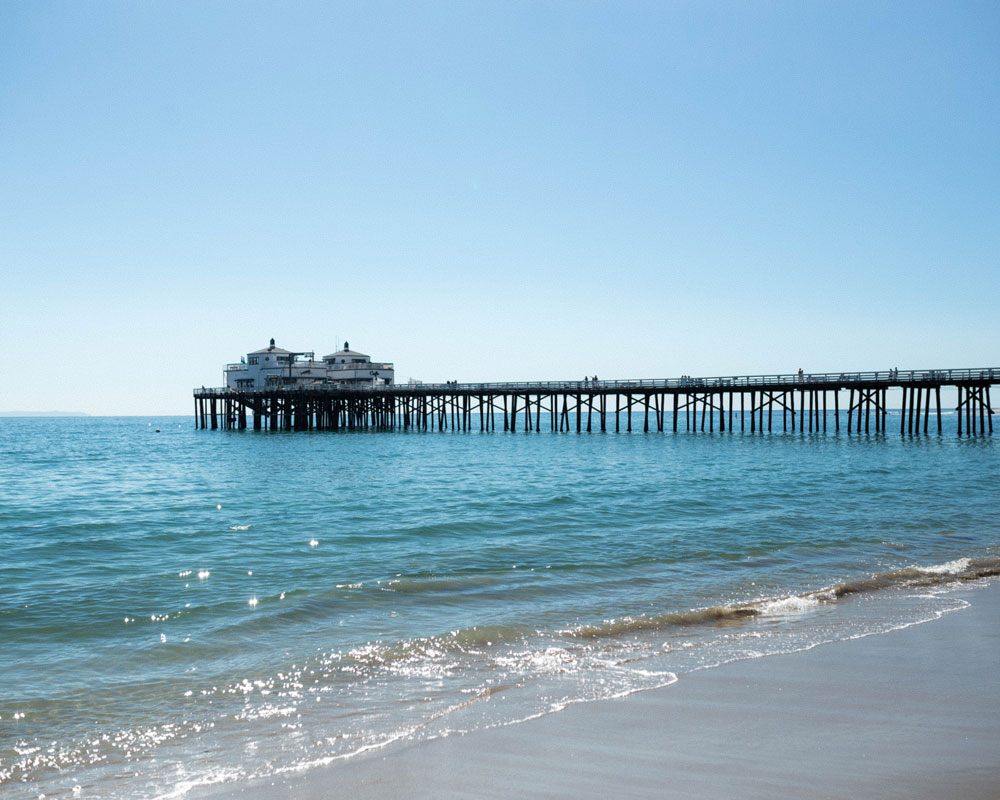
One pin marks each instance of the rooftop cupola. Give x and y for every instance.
(346, 347)
(271, 347)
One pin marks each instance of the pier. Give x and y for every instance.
(753, 403)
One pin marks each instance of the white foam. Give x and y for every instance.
(240, 527)
(948, 568)
(789, 605)
(218, 775)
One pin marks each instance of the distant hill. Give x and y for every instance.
(43, 414)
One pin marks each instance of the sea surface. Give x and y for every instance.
(181, 608)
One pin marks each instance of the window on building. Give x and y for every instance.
(254, 359)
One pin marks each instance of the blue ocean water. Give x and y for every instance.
(182, 607)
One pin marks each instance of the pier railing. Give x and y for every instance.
(844, 380)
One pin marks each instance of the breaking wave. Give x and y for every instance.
(962, 569)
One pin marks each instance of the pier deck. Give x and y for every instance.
(751, 402)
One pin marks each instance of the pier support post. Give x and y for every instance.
(968, 410)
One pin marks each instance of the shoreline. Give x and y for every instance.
(908, 713)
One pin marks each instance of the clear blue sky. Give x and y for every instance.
(493, 191)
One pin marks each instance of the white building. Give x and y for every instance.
(272, 367)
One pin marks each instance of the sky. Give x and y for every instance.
(492, 191)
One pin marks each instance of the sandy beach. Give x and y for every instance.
(910, 713)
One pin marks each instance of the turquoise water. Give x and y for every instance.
(185, 607)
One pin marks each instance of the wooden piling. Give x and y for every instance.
(980, 407)
(958, 410)
(968, 410)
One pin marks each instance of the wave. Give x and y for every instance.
(475, 639)
(962, 569)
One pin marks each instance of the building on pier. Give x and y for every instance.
(273, 367)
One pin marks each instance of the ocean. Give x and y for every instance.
(182, 608)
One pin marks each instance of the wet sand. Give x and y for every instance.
(908, 714)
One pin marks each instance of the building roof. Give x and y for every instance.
(343, 353)
(277, 350)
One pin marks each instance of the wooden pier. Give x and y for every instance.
(755, 403)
